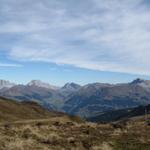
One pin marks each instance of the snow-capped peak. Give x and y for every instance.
(6, 84)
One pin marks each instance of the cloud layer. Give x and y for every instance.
(110, 35)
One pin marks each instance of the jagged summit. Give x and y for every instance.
(143, 83)
(71, 86)
(42, 84)
(138, 81)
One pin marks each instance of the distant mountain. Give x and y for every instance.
(47, 95)
(6, 84)
(71, 87)
(44, 96)
(143, 83)
(68, 89)
(95, 98)
(85, 101)
(122, 114)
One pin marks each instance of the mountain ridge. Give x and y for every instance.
(84, 101)
(42, 84)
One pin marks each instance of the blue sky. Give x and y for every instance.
(79, 41)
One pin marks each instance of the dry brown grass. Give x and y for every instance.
(30, 127)
(61, 133)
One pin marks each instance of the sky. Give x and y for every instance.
(81, 41)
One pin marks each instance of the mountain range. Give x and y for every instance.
(49, 96)
(85, 101)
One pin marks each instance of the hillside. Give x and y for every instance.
(122, 114)
(26, 125)
(65, 133)
(13, 111)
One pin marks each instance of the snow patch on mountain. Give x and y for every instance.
(39, 83)
(6, 84)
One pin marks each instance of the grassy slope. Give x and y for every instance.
(116, 115)
(14, 111)
(33, 128)
(61, 133)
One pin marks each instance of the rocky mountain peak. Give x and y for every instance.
(138, 81)
(142, 83)
(71, 86)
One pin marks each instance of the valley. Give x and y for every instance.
(81, 100)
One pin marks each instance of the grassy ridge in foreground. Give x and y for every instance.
(61, 133)
(116, 115)
(13, 111)
(27, 126)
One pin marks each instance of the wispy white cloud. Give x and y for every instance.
(10, 65)
(110, 35)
